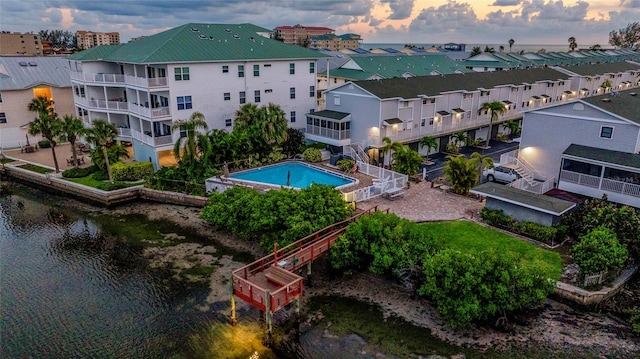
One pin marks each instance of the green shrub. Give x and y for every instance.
(546, 234)
(44, 144)
(100, 175)
(635, 320)
(79, 172)
(345, 165)
(131, 171)
(599, 251)
(294, 143)
(312, 155)
(318, 145)
(537, 231)
(108, 186)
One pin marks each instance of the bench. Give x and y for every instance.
(279, 276)
(396, 195)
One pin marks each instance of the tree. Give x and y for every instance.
(461, 173)
(475, 51)
(572, 44)
(480, 162)
(72, 130)
(102, 134)
(511, 42)
(407, 161)
(513, 126)
(599, 251)
(47, 124)
(490, 50)
(59, 38)
(390, 146)
(495, 108)
(294, 143)
(606, 84)
(274, 125)
(185, 149)
(501, 48)
(461, 138)
(595, 47)
(430, 143)
(628, 37)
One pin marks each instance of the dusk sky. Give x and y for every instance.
(399, 21)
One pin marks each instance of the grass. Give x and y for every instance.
(91, 182)
(38, 169)
(472, 238)
(6, 160)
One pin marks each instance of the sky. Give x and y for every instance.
(378, 21)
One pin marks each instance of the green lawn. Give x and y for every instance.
(472, 238)
(6, 160)
(35, 168)
(89, 181)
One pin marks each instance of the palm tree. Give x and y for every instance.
(572, 44)
(430, 143)
(246, 117)
(72, 129)
(390, 146)
(501, 48)
(513, 126)
(479, 162)
(511, 42)
(102, 134)
(47, 124)
(189, 148)
(407, 161)
(475, 51)
(461, 173)
(496, 108)
(461, 138)
(273, 125)
(490, 50)
(606, 84)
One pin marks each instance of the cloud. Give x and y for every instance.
(506, 3)
(632, 4)
(400, 9)
(448, 17)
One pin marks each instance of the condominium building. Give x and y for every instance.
(144, 86)
(89, 39)
(20, 44)
(336, 42)
(299, 34)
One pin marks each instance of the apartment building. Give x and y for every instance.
(598, 79)
(299, 34)
(336, 42)
(145, 86)
(89, 39)
(20, 44)
(23, 79)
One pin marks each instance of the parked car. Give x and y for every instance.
(501, 173)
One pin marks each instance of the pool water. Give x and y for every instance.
(301, 175)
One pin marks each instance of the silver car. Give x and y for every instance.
(501, 173)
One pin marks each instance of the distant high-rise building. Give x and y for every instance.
(299, 34)
(336, 42)
(89, 39)
(20, 44)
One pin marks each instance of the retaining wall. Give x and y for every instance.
(585, 297)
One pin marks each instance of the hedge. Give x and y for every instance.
(44, 144)
(79, 172)
(536, 231)
(131, 171)
(312, 155)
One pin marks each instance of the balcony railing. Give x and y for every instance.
(580, 178)
(149, 112)
(109, 105)
(152, 141)
(433, 130)
(97, 78)
(146, 82)
(606, 184)
(329, 133)
(124, 132)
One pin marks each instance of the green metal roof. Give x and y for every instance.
(200, 43)
(395, 66)
(334, 115)
(539, 202)
(608, 156)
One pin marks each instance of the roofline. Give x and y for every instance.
(354, 84)
(34, 84)
(581, 117)
(203, 61)
(568, 156)
(521, 204)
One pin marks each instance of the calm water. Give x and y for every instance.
(299, 176)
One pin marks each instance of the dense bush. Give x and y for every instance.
(44, 144)
(176, 179)
(635, 320)
(131, 171)
(312, 155)
(294, 143)
(79, 172)
(345, 165)
(468, 288)
(546, 234)
(383, 244)
(281, 216)
(100, 175)
(599, 251)
(111, 186)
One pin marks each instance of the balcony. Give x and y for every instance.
(124, 132)
(108, 105)
(624, 192)
(98, 78)
(146, 138)
(432, 130)
(147, 112)
(146, 82)
(329, 133)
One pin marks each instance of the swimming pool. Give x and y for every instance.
(301, 175)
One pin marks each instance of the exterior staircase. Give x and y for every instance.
(530, 180)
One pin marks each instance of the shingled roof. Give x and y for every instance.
(435, 85)
(200, 43)
(623, 103)
(603, 68)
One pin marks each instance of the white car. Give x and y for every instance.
(501, 173)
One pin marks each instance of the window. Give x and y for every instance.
(484, 93)
(292, 69)
(312, 67)
(268, 91)
(336, 100)
(243, 97)
(181, 73)
(225, 69)
(227, 96)
(514, 89)
(184, 102)
(256, 95)
(3, 117)
(431, 121)
(292, 116)
(292, 92)
(256, 70)
(526, 88)
(0, 97)
(423, 122)
(227, 122)
(467, 95)
(312, 91)
(240, 70)
(606, 132)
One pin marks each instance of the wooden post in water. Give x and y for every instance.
(267, 313)
(309, 269)
(234, 320)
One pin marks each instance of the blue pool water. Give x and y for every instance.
(302, 175)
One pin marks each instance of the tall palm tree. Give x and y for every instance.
(496, 108)
(513, 126)
(606, 84)
(47, 124)
(501, 48)
(572, 44)
(461, 173)
(407, 161)
(273, 125)
(72, 130)
(476, 50)
(390, 146)
(185, 149)
(480, 162)
(461, 138)
(511, 42)
(490, 50)
(246, 117)
(102, 134)
(430, 143)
